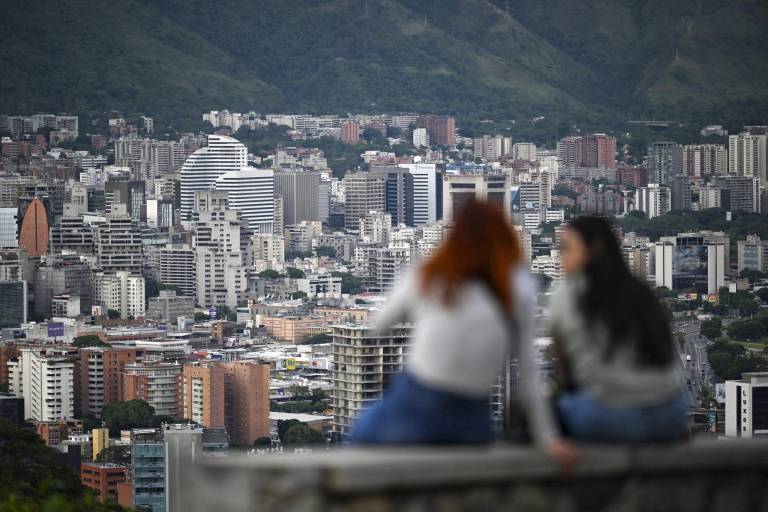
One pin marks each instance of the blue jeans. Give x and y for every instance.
(414, 413)
(586, 419)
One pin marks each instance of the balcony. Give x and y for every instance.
(705, 476)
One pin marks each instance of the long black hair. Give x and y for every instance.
(623, 303)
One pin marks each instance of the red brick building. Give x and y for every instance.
(441, 129)
(350, 132)
(104, 479)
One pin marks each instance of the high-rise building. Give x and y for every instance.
(701, 160)
(8, 226)
(177, 268)
(680, 190)
(100, 379)
(268, 248)
(168, 306)
(653, 200)
(748, 156)
(121, 291)
(376, 227)
(200, 170)
(246, 388)
(493, 188)
(364, 363)
(128, 193)
(72, 235)
(489, 147)
(46, 382)
(252, 192)
(158, 384)
(381, 267)
(63, 274)
(739, 193)
(13, 303)
(441, 129)
(365, 192)
(350, 132)
(299, 192)
(427, 193)
(524, 151)
(420, 138)
(596, 151)
(746, 406)
(665, 160)
(752, 254)
(148, 473)
(710, 196)
(399, 194)
(33, 236)
(689, 262)
(154, 157)
(203, 394)
(118, 243)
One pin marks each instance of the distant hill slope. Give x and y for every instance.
(475, 58)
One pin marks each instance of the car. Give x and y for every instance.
(688, 357)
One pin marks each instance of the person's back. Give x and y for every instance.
(614, 346)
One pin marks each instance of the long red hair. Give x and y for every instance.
(481, 245)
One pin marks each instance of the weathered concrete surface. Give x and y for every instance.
(709, 476)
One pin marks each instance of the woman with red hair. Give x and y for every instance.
(472, 303)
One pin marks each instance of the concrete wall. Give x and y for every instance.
(714, 476)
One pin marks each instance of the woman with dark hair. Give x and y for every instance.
(461, 301)
(614, 345)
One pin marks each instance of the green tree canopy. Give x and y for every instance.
(302, 435)
(270, 274)
(88, 340)
(118, 454)
(747, 330)
(127, 415)
(325, 250)
(294, 273)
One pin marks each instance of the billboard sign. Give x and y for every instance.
(55, 329)
(689, 268)
(213, 313)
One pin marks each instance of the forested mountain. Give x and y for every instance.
(502, 59)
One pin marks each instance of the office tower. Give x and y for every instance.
(752, 254)
(148, 470)
(375, 227)
(252, 192)
(457, 189)
(121, 291)
(420, 138)
(12, 409)
(13, 303)
(350, 132)
(365, 192)
(299, 190)
(45, 382)
(203, 394)
(128, 193)
(441, 129)
(200, 170)
(524, 151)
(100, 376)
(33, 236)
(118, 243)
(71, 235)
(218, 260)
(739, 193)
(183, 445)
(177, 268)
(701, 160)
(168, 306)
(160, 213)
(653, 200)
(399, 194)
(99, 440)
(665, 160)
(158, 384)
(324, 199)
(280, 214)
(748, 156)
(427, 193)
(381, 267)
(746, 406)
(690, 263)
(8, 227)
(63, 274)
(361, 355)
(680, 191)
(546, 184)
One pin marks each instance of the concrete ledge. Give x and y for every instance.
(728, 476)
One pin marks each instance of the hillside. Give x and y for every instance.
(503, 59)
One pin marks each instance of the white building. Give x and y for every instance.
(376, 227)
(8, 226)
(121, 291)
(550, 266)
(653, 200)
(267, 248)
(252, 192)
(690, 264)
(524, 151)
(420, 138)
(710, 196)
(746, 406)
(458, 188)
(748, 156)
(320, 285)
(45, 382)
(427, 187)
(199, 172)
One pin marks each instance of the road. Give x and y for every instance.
(696, 371)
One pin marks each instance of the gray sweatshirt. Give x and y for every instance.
(619, 380)
(460, 348)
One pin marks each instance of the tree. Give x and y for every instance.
(270, 274)
(262, 442)
(295, 273)
(87, 340)
(748, 308)
(746, 330)
(118, 454)
(325, 250)
(201, 317)
(127, 415)
(349, 282)
(711, 329)
(299, 295)
(284, 425)
(302, 435)
(298, 392)
(762, 294)
(113, 314)
(663, 292)
(753, 275)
